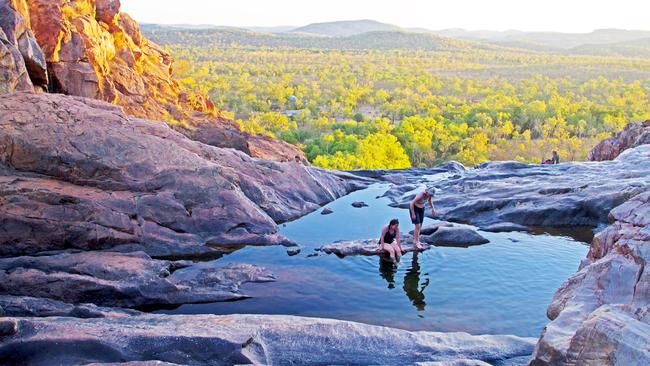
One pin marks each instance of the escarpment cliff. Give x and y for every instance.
(90, 48)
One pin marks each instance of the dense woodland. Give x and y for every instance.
(349, 108)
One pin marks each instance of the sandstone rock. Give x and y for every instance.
(16, 28)
(22, 306)
(326, 211)
(634, 134)
(432, 228)
(13, 74)
(600, 314)
(359, 204)
(8, 327)
(78, 173)
(564, 195)
(454, 236)
(241, 339)
(123, 279)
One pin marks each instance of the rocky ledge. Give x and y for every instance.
(78, 173)
(506, 193)
(239, 339)
(601, 314)
(440, 234)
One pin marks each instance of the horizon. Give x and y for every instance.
(498, 16)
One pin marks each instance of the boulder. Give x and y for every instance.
(78, 173)
(432, 228)
(326, 211)
(124, 279)
(454, 236)
(600, 314)
(239, 339)
(359, 204)
(634, 134)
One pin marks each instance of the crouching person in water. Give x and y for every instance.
(389, 241)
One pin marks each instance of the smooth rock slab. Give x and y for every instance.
(124, 279)
(442, 236)
(22, 306)
(241, 339)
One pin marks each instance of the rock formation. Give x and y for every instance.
(564, 195)
(238, 339)
(89, 48)
(634, 134)
(601, 314)
(78, 173)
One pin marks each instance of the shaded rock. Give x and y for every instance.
(134, 363)
(634, 134)
(600, 314)
(291, 251)
(123, 279)
(16, 29)
(22, 306)
(500, 227)
(454, 236)
(241, 339)
(13, 74)
(359, 204)
(451, 167)
(326, 211)
(8, 327)
(78, 173)
(461, 362)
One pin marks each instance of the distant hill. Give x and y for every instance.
(636, 48)
(345, 28)
(381, 40)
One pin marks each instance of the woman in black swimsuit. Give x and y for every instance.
(389, 241)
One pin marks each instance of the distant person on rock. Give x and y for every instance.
(555, 159)
(389, 241)
(416, 208)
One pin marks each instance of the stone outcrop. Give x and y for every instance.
(239, 339)
(78, 173)
(634, 134)
(15, 22)
(123, 279)
(438, 235)
(564, 195)
(90, 48)
(601, 314)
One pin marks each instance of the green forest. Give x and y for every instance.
(350, 108)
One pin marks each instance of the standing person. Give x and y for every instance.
(555, 159)
(416, 208)
(390, 234)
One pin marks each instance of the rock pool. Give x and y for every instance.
(502, 287)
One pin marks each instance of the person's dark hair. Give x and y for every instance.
(393, 222)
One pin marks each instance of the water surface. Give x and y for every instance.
(500, 287)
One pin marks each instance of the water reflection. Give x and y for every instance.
(412, 287)
(387, 270)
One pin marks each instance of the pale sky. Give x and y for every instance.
(526, 15)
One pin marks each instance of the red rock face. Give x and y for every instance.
(89, 48)
(634, 134)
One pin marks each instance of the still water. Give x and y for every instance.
(501, 287)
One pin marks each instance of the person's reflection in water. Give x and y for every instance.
(387, 270)
(414, 292)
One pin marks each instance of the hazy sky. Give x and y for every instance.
(528, 15)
